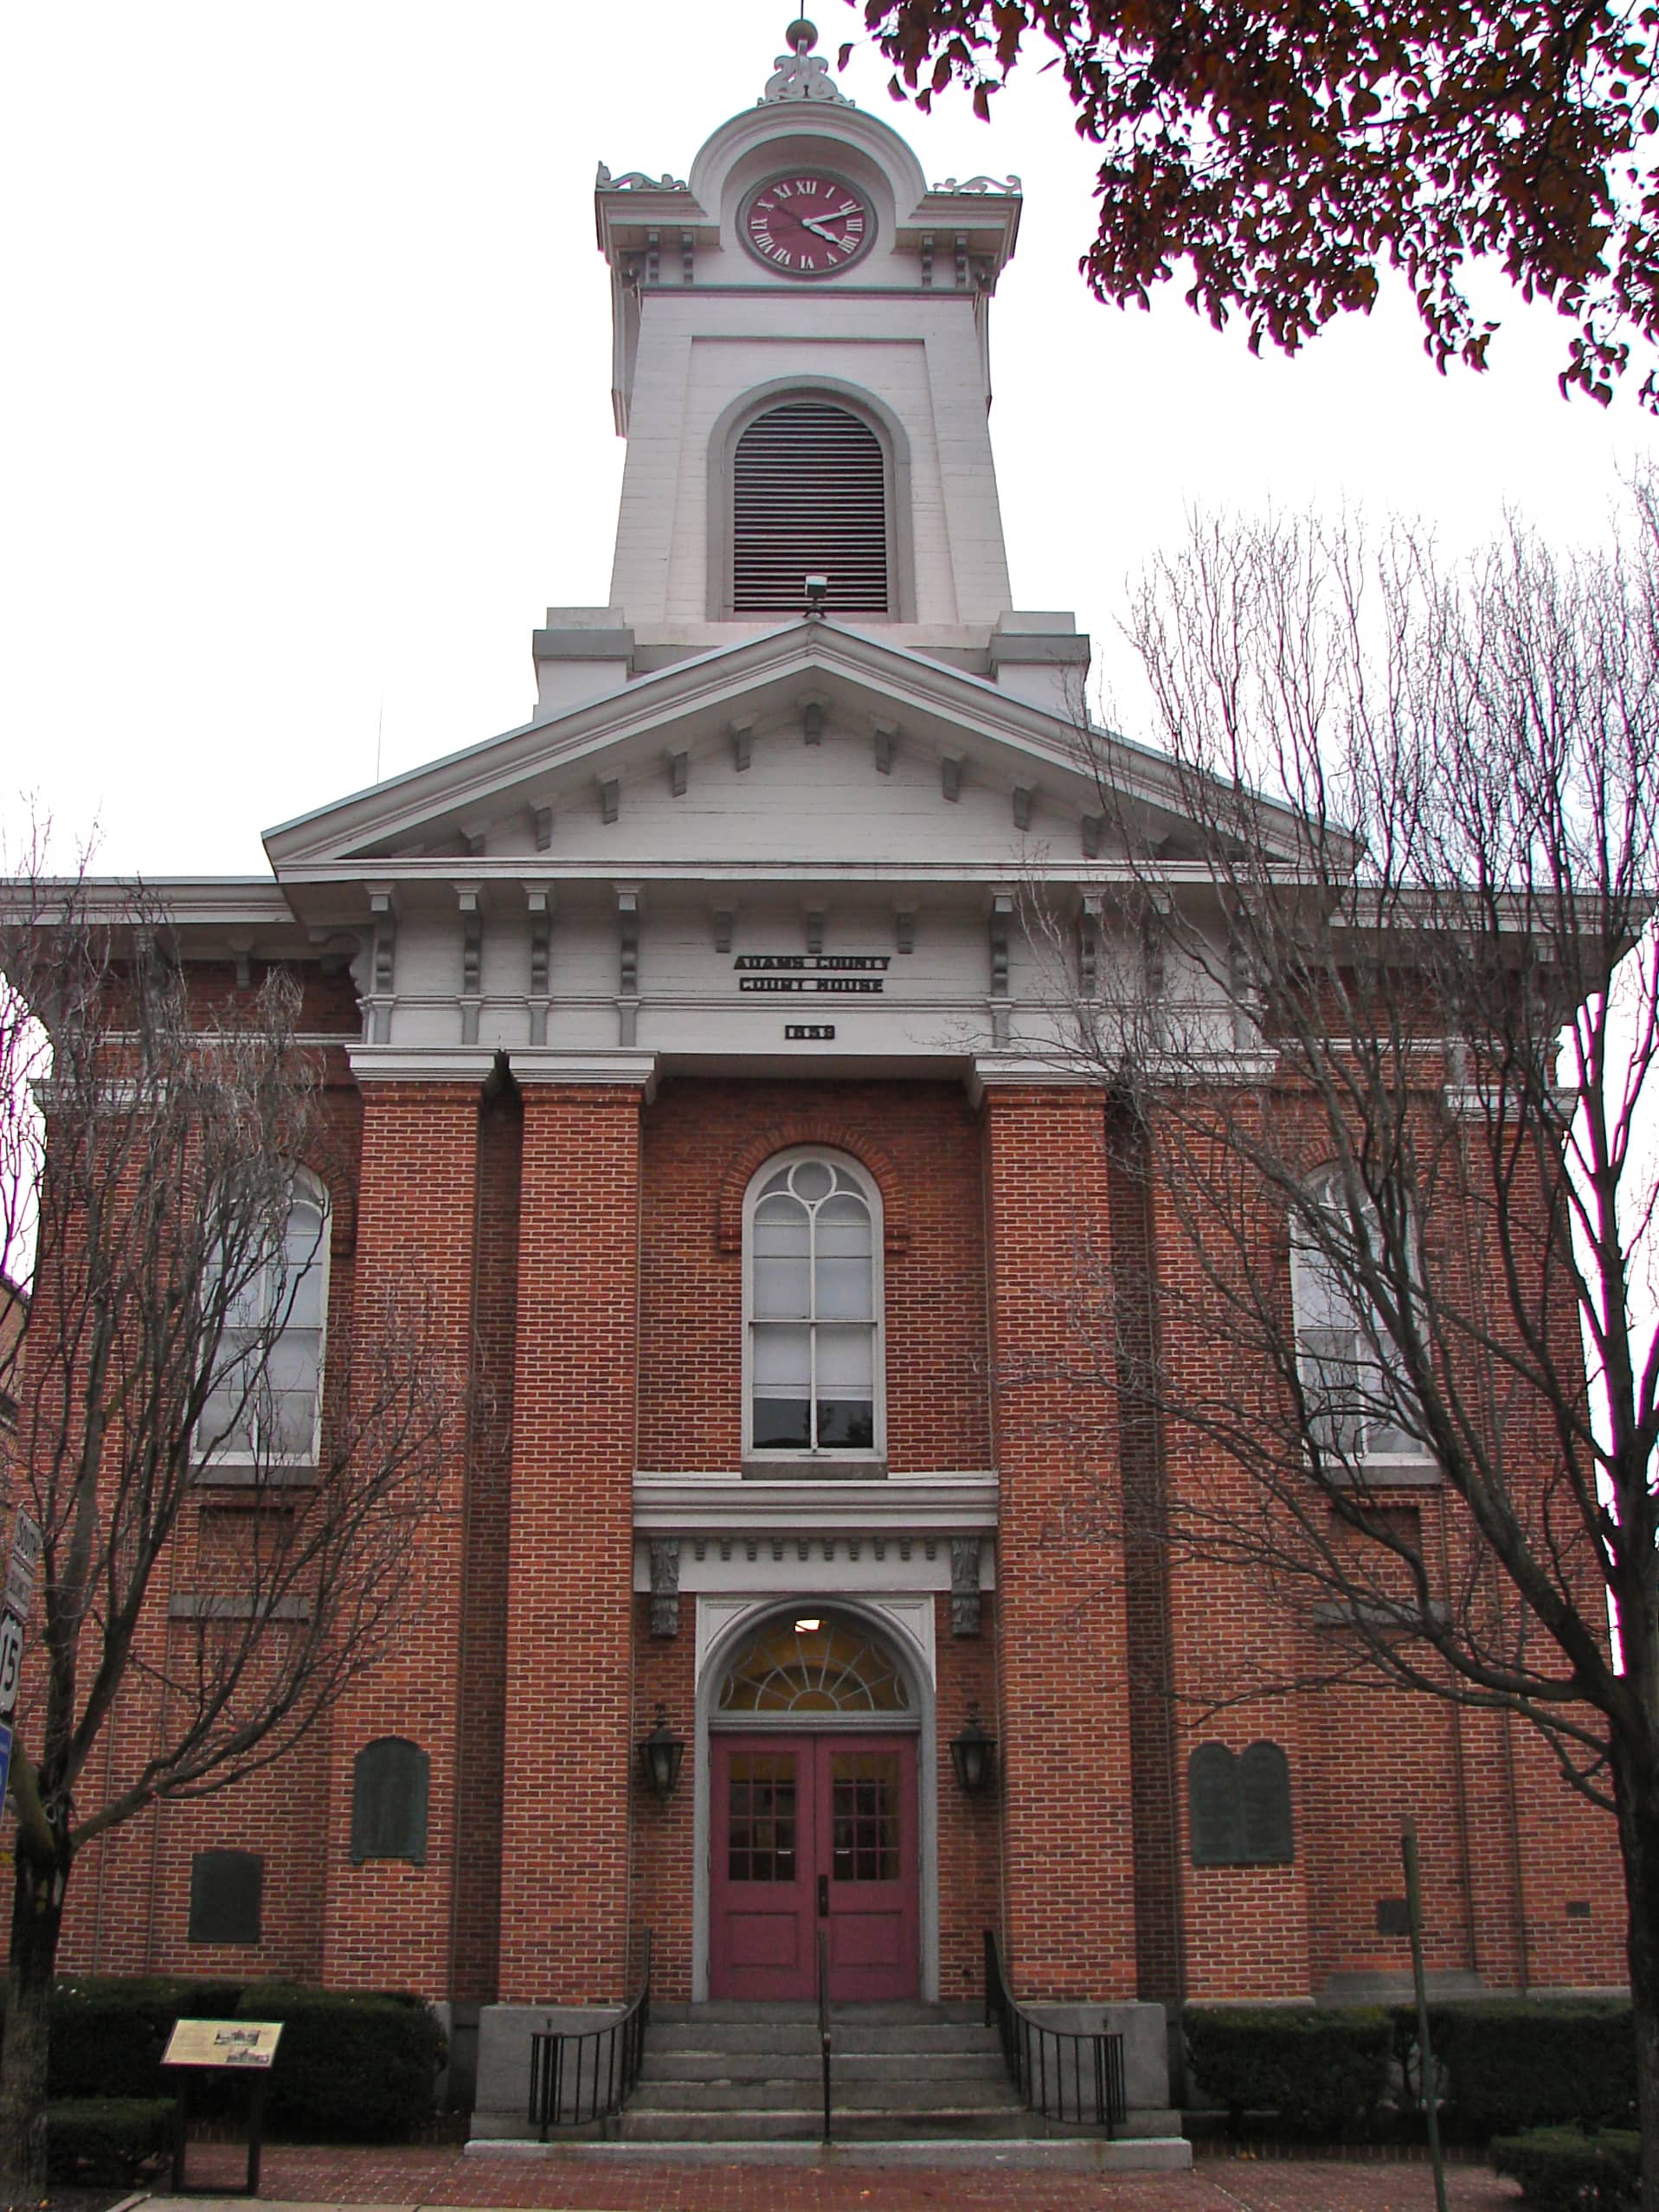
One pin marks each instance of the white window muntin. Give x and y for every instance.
(1353, 1372)
(813, 1341)
(277, 1420)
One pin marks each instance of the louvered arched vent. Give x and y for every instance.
(809, 498)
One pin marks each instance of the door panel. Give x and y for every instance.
(866, 1795)
(761, 1894)
(814, 1830)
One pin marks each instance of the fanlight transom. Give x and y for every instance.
(830, 1669)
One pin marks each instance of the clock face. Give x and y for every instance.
(807, 225)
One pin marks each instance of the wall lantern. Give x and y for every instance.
(660, 1753)
(974, 1754)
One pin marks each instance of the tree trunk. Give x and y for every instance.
(37, 1918)
(1638, 1828)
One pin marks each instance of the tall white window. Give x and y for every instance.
(812, 1295)
(1352, 1372)
(276, 1415)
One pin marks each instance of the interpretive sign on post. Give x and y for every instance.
(241, 2045)
(222, 2042)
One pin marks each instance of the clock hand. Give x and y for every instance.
(812, 224)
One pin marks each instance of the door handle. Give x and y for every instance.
(823, 1896)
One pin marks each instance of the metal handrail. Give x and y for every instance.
(823, 2022)
(578, 2077)
(1073, 2076)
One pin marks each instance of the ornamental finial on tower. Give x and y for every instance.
(800, 73)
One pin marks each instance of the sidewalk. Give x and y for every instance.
(316, 2178)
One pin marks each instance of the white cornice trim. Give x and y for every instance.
(1024, 1072)
(962, 1503)
(529, 1063)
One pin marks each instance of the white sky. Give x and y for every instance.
(305, 410)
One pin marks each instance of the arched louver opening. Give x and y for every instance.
(809, 498)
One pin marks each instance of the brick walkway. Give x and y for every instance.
(323, 2177)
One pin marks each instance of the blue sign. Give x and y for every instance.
(5, 1758)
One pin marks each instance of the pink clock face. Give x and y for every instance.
(805, 225)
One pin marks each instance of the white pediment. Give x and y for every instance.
(809, 748)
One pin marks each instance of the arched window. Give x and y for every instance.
(275, 1413)
(810, 497)
(813, 1296)
(826, 1667)
(1352, 1373)
(390, 1779)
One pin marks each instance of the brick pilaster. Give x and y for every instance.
(1067, 1826)
(568, 1746)
(387, 1925)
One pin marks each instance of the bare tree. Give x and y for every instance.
(155, 1161)
(1383, 1013)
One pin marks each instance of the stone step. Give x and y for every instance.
(919, 2067)
(1001, 2123)
(956, 2094)
(797, 2039)
(744, 2010)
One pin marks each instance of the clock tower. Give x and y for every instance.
(802, 372)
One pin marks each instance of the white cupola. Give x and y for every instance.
(801, 373)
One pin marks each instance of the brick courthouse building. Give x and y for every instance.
(686, 1042)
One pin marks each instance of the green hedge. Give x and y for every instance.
(348, 2066)
(1510, 2066)
(108, 2036)
(1322, 2070)
(1564, 2169)
(102, 2139)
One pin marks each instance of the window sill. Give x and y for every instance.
(248, 1474)
(814, 1467)
(1388, 1475)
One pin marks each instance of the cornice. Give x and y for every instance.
(959, 1503)
(530, 1063)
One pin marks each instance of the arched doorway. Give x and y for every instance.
(813, 1813)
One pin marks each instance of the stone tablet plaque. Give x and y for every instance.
(222, 2042)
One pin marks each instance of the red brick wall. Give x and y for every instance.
(665, 1675)
(922, 1141)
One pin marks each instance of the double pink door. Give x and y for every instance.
(813, 1832)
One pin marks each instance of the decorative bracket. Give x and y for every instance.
(665, 1585)
(539, 900)
(627, 965)
(1089, 933)
(383, 975)
(964, 1585)
(472, 967)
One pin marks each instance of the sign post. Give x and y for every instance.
(246, 2046)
